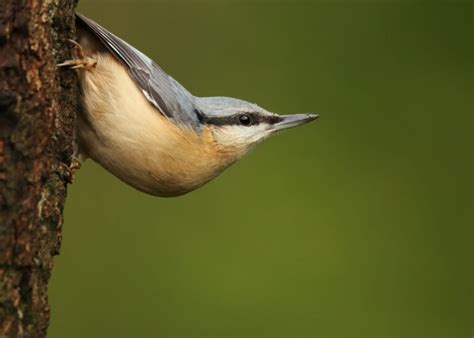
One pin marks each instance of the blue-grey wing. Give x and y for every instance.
(160, 89)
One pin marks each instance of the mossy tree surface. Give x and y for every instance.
(37, 108)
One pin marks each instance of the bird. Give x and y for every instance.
(148, 130)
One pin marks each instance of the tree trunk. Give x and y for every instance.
(38, 102)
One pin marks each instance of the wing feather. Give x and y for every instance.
(160, 89)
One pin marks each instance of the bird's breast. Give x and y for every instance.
(122, 131)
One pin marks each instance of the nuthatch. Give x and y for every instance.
(147, 129)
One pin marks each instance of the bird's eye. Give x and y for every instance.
(245, 120)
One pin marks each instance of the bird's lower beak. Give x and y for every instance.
(289, 121)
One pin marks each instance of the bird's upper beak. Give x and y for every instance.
(289, 121)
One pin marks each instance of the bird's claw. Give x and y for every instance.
(70, 170)
(82, 61)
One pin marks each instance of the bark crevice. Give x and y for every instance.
(38, 103)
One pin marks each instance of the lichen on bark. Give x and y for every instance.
(38, 102)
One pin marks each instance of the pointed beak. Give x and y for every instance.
(290, 121)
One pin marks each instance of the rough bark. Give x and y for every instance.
(37, 108)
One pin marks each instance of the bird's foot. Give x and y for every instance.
(86, 63)
(82, 60)
(70, 171)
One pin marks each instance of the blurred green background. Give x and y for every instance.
(360, 224)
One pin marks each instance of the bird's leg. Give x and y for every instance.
(77, 158)
(82, 60)
(70, 170)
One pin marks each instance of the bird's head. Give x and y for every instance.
(240, 125)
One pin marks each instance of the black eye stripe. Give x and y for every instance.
(199, 115)
(255, 119)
